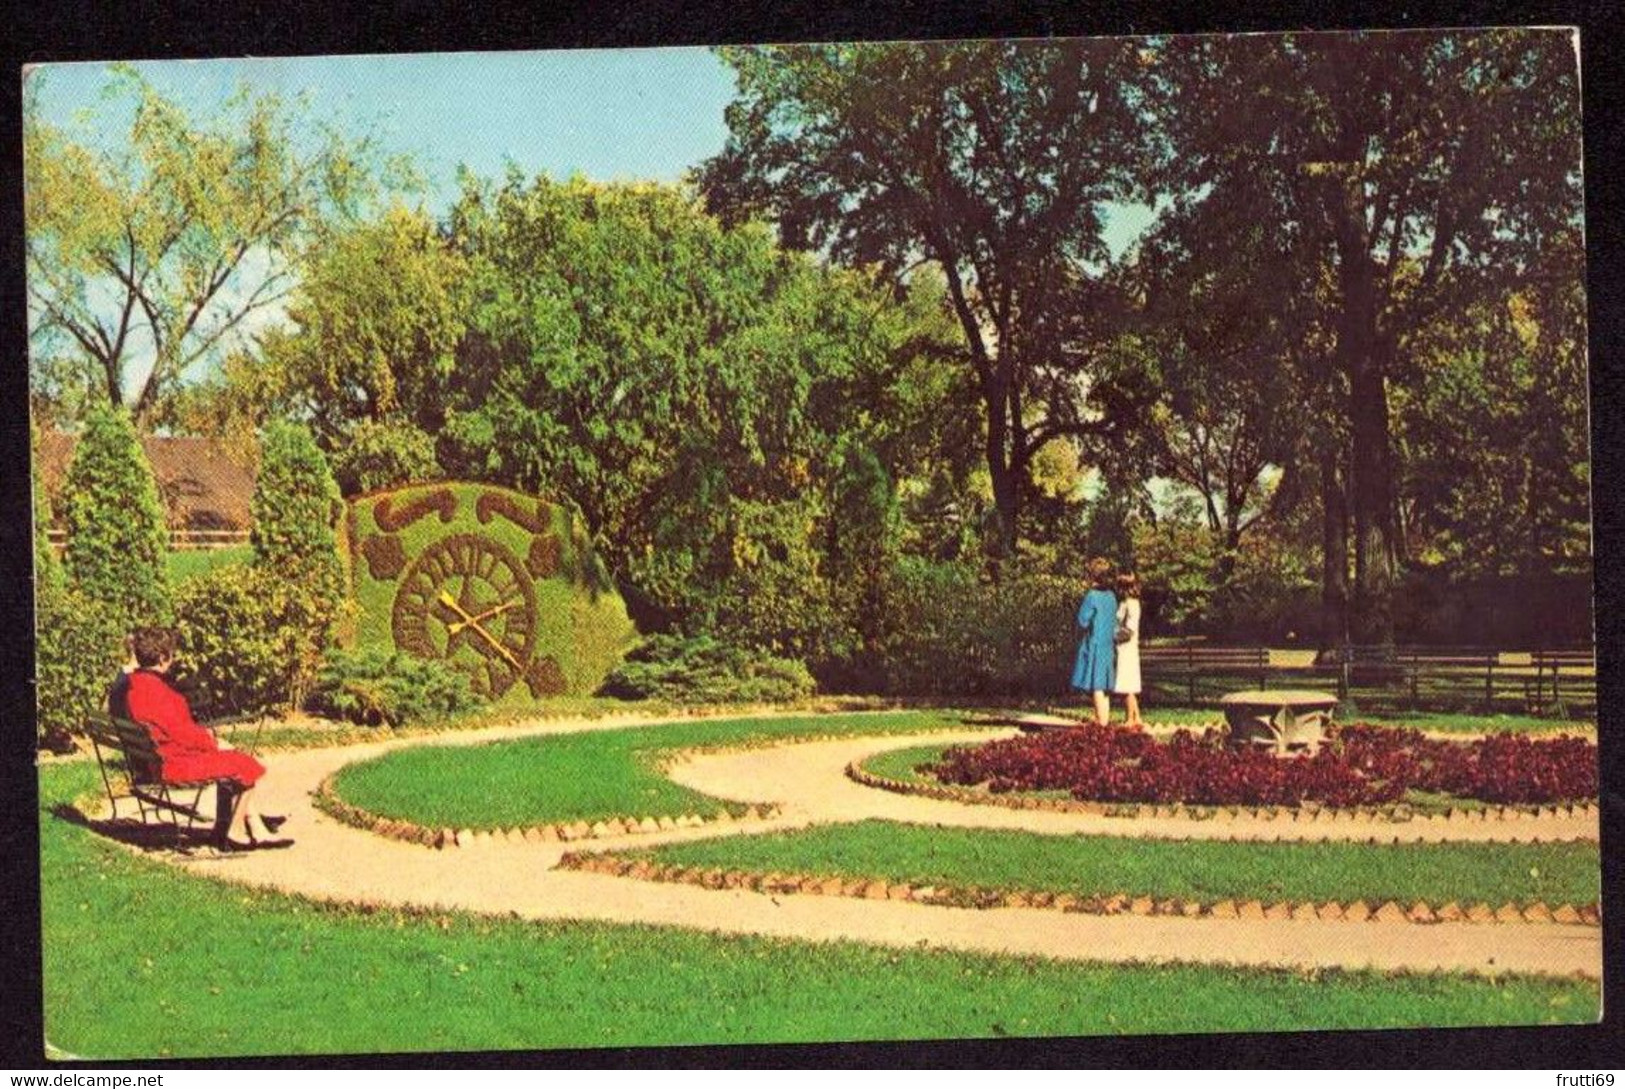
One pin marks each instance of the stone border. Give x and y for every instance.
(328, 801)
(1118, 904)
(1309, 813)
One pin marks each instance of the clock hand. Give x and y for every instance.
(500, 649)
(458, 625)
(451, 603)
(470, 622)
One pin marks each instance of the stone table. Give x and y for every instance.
(1285, 718)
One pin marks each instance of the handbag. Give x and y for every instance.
(1123, 634)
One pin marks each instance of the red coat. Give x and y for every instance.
(188, 751)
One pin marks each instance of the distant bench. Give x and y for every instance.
(1408, 676)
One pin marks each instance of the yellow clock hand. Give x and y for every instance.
(473, 621)
(470, 622)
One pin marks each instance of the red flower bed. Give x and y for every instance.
(1361, 765)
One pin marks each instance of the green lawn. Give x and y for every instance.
(601, 774)
(187, 563)
(583, 776)
(1494, 873)
(142, 960)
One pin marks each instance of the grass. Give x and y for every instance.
(143, 960)
(1493, 873)
(188, 563)
(601, 774)
(582, 776)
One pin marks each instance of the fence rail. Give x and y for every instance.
(1548, 681)
(188, 539)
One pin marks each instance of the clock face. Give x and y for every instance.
(468, 601)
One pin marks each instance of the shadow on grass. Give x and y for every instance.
(159, 836)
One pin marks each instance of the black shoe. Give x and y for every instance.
(255, 843)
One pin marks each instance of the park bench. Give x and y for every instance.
(1199, 668)
(127, 756)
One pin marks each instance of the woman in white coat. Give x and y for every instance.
(1128, 652)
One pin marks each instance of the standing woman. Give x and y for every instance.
(1128, 650)
(1097, 616)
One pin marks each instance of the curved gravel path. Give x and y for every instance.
(332, 861)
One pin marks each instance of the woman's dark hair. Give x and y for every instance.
(152, 646)
(1100, 573)
(1128, 584)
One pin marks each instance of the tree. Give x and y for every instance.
(377, 319)
(1422, 169)
(990, 161)
(157, 253)
(117, 536)
(694, 389)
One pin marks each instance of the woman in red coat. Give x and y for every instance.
(188, 751)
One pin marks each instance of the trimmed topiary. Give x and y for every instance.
(500, 586)
(296, 509)
(117, 537)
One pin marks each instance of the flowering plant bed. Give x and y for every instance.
(1364, 765)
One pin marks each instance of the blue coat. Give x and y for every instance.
(1095, 670)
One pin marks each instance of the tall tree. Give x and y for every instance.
(151, 254)
(1424, 168)
(706, 398)
(991, 161)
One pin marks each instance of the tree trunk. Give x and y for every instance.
(1003, 471)
(1362, 357)
(1334, 563)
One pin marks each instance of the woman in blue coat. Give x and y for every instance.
(1097, 616)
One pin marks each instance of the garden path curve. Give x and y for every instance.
(332, 861)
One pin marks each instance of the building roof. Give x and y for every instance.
(203, 487)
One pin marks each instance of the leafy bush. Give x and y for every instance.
(704, 670)
(251, 639)
(374, 687)
(954, 633)
(117, 538)
(379, 455)
(78, 647)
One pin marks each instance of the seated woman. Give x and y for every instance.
(188, 751)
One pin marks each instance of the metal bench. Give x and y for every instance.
(126, 755)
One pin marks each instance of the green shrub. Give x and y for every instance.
(953, 632)
(117, 539)
(296, 509)
(704, 670)
(250, 638)
(47, 567)
(78, 648)
(380, 455)
(374, 687)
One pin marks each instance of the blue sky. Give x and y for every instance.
(610, 114)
